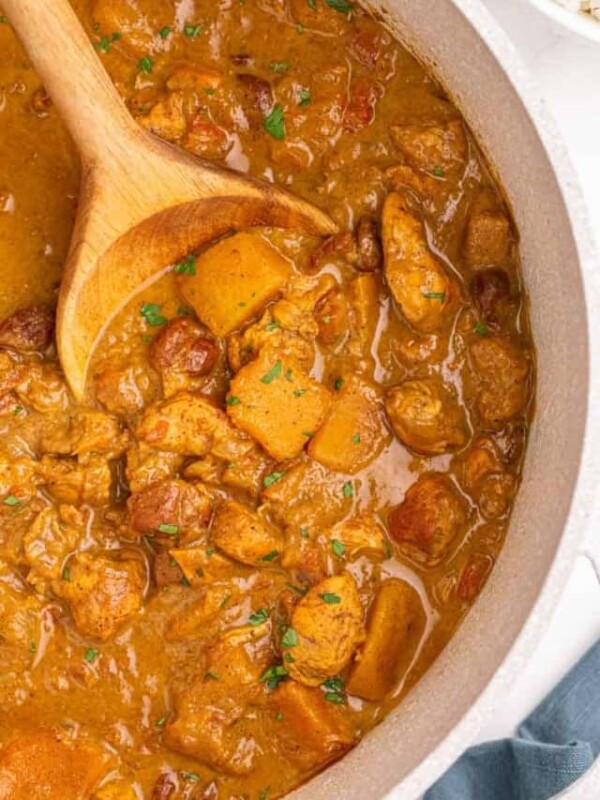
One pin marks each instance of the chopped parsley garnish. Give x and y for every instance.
(273, 676)
(146, 65)
(339, 5)
(225, 600)
(312, 4)
(187, 266)
(182, 311)
(184, 582)
(272, 326)
(211, 676)
(480, 329)
(11, 500)
(273, 373)
(356, 438)
(326, 319)
(279, 66)
(151, 313)
(160, 723)
(308, 434)
(260, 616)
(299, 392)
(209, 90)
(388, 548)
(299, 28)
(193, 777)
(338, 548)
(274, 124)
(289, 658)
(289, 639)
(338, 383)
(304, 97)
(91, 654)
(270, 556)
(334, 697)
(304, 533)
(330, 598)
(264, 793)
(191, 31)
(279, 716)
(18, 410)
(301, 590)
(335, 688)
(165, 32)
(289, 375)
(168, 528)
(269, 480)
(441, 296)
(66, 574)
(232, 400)
(106, 41)
(210, 551)
(348, 489)
(438, 172)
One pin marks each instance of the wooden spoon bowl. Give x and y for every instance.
(144, 203)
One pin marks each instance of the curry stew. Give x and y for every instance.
(298, 459)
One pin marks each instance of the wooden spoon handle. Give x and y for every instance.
(72, 73)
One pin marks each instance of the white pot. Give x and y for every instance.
(441, 716)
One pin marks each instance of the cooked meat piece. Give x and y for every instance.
(305, 560)
(364, 297)
(54, 534)
(426, 416)
(201, 565)
(401, 177)
(80, 432)
(20, 612)
(191, 425)
(331, 314)
(47, 763)
(487, 240)
(40, 386)
(491, 291)
(432, 147)
(166, 118)
(360, 108)
(165, 570)
(17, 477)
(187, 77)
(248, 271)
(256, 96)
(474, 576)
(146, 466)
(270, 333)
(315, 731)
(355, 431)
(495, 495)
(370, 254)
(182, 350)
(88, 479)
(171, 511)
(244, 535)
(103, 593)
(328, 625)
(362, 536)
(240, 656)
(126, 389)
(425, 292)
(395, 626)
(28, 330)
(135, 22)
(483, 458)
(206, 139)
(248, 472)
(499, 379)
(273, 400)
(430, 518)
(341, 247)
(204, 617)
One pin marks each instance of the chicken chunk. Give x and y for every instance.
(328, 623)
(103, 593)
(28, 330)
(244, 535)
(430, 519)
(361, 536)
(80, 432)
(20, 611)
(188, 77)
(332, 317)
(47, 764)
(53, 535)
(354, 432)
(434, 147)
(146, 466)
(395, 626)
(17, 477)
(499, 379)
(315, 731)
(426, 416)
(170, 510)
(425, 292)
(249, 273)
(166, 118)
(201, 565)
(269, 333)
(487, 240)
(191, 425)
(126, 389)
(88, 479)
(273, 400)
(136, 22)
(40, 386)
(182, 352)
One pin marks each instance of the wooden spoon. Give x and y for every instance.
(144, 203)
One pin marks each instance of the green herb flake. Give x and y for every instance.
(160, 723)
(290, 658)
(338, 383)
(18, 410)
(333, 684)
(3, 20)
(11, 500)
(356, 438)
(304, 98)
(338, 548)
(260, 616)
(191, 31)
(299, 28)
(312, 4)
(168, 528)
(304, 533)
(299, 392)
(330, 598)
(279, 716)
(146, 65)
(151, 313)
(273, 676)
(289, 639)
(279, 66)
(326, 319)
(264, 793)
(298, 589)
(211, 676)
(388, 548)
(165, 32)
(103, 46)
(334, 697)
(187, 266)
(438, 171)
(210, 551)
(91, 654)
(480, 329)
(273, 373)
(441, 296)
(192, 777)
(209, 90)
(182, 311)
(270, 556)
(308, 434)
(200, 572)
(232, 400)
(269, 480)
(272, 326)
(348, 489)
(33, 647)
(184, 582)
(274, 124)
(66, 575)
(289, 375)
(339, 5)
(225, 600)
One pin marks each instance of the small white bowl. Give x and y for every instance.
(578, 22)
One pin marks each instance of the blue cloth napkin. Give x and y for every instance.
(554, 746)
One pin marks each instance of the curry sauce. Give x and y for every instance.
(296, 464)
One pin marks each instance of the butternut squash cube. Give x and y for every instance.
(354, 432)
(277, 403)
(234, 280)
